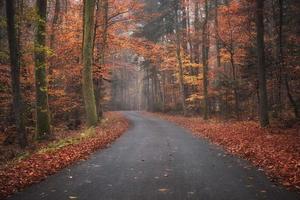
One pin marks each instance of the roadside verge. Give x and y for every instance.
(60, 154)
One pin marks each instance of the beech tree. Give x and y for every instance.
(87, 52)
(41, 82)
(14, 52)
(261, 71)
(205, 49)
(55, 22)
(179, 58)
(206, 58)
(102, 23)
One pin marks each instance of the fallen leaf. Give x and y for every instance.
(163, 190)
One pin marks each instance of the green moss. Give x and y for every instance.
(4, 55)
(3, 22)
(22, 156)
(53, 146)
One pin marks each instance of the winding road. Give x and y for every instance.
(157, 160)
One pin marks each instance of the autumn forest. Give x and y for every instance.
(75, 74)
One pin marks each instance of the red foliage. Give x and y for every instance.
(276, 151)
(40, 165)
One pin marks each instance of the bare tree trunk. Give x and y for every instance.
(205, 49)
(179, 60)
(14, 50)
(235, 86)
(218, 56)
(147, 89)
(88, 89)
(217, 35)
(196, 45)
(278, 57)
(41, 82)
(163, 91)
(103, 12)
(55, 22)
(290, 97)
(263, 98)
(2, 29)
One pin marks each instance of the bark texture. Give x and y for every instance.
(41, 82)
(261, 71)
(14, 51)
(87, 86)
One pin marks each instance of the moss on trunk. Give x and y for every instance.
(41, 83)
(88, 89)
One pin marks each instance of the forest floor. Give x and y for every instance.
(274, 150)
(36, 163)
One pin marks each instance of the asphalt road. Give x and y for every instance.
(153, 160)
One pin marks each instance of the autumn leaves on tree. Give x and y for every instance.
(64, 63)
(41, 55)
(226, 59)
(215, 58)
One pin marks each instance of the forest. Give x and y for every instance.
(68, 66)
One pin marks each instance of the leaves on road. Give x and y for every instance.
(163, 190)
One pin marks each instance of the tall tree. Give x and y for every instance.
(55, 22)
(41, 82)
(103, 12)
(261, 71)
(179, 58)
(205, 49)
(14, 51)
(217, 34)
(88, 88)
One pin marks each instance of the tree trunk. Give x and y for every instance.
(14, 50)
(42, 107)
(147, 93)
(205, 47)
(235, 86)
(196, 46)
(55, 22)
(2, 29)
(290, 97)
(263, 98)
(217, 35)
(163, 91)
(87, 83)
(179, 60)
(99, 86)
(278, 57)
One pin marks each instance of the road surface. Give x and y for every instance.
(158, 160)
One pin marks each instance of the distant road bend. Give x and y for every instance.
(157, 160)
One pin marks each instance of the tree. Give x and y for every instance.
(205, 49)
(99, 89)
(14, 51)
(55, 22)
(261, 71)
(41, 82)
(179, 59)
(87, 83)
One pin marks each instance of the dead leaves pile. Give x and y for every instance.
(276, 151)
(40, 165)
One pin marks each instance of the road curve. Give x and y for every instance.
(157, 160)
